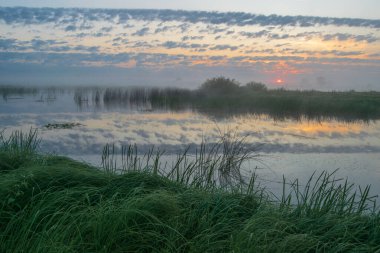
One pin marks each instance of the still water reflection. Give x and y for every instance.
(294, 148)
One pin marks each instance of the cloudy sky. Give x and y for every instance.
(293, 43)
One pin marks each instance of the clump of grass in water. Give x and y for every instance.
(215, 165)
(62, 205)
(324, 193)
(17, 149)
(68, 125)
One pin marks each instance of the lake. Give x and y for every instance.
(285, 146)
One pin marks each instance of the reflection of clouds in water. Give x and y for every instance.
(91, 145)
(8, 121)
(142, 133)
(361, 169)
(174, 130)
(186, 128)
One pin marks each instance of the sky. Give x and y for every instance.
(298, 44)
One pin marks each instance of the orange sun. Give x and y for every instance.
(279, 81)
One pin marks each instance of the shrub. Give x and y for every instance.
(219, 85)
(256, 86)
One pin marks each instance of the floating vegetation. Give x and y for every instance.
(68, 125)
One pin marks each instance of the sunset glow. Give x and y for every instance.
(279, 81)
(144, 46)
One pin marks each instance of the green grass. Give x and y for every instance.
(54, 204)
(19, 148)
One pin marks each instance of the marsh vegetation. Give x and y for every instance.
(66, 125)
(54, 204)
(224, 97)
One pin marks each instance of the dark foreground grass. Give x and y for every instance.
(54, 204)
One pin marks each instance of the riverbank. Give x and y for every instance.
(54, 204)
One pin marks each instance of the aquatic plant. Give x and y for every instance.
(67, 125)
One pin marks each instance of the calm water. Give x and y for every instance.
(292, 148)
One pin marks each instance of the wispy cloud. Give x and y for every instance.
(345, 36)
(224, 47)
(186, 38)
(369, 38)
(64, 16)
(40, 45)
(141, 32)
(173, 44)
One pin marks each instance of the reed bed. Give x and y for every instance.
(223, 97)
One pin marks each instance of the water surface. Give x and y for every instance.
(294, 148)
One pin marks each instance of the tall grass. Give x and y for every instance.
(324, 193)
(217, 165)
(17, 149)
(59, 205)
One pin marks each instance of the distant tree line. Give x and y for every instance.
(223, 85)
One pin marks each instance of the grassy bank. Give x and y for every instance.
(54, 204)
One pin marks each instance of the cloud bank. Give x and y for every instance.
(12, 15)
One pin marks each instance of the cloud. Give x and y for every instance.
(224, 47)
(10, 45)
(106, 29)
(186, 38)
(140, 44)
(164, 29)
(348, 53)
(173, 44)
(266, 34)
(141, 32)
(213, 29)
(70, 28)
(39, 45)
(253, 35)
(26, 16)
(77, 27)
(313, 53)
(369, 38)
(345, 36)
